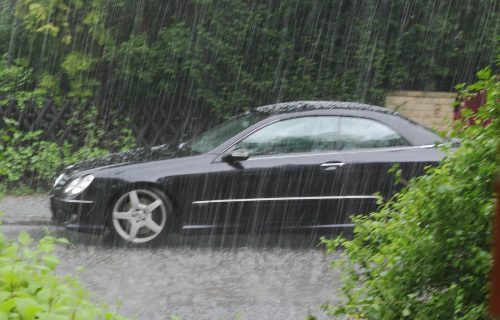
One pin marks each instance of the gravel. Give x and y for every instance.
(29, 209)
(272, 276)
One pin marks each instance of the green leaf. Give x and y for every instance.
(28, 307)
(4, 295)
(7, 305)
(63, 241)
(51, 316)
(24, 238)
(51, 261)
(406, 312)
(44, 295)
(484, 74)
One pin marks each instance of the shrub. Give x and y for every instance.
(29, 288)
(26, 159)
(426, 253)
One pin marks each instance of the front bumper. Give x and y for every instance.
(78, 215)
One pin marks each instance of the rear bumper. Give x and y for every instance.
(78, 215)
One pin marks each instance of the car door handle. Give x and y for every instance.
(331, 165)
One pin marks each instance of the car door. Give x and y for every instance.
(278, 185)
(369, 149)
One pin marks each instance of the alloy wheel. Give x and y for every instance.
(139, 216)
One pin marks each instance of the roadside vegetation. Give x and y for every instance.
(426, 254)
(28, 162)
(30, 289)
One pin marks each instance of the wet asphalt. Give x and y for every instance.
(192, 276)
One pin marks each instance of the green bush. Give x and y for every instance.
(426, 253)
(29, 288)
(25, 158)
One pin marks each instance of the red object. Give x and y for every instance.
(495, 271)
(472, 103)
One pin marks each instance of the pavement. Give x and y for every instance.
(28, 209)
(270, 276)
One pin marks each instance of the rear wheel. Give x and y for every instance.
(141, 216)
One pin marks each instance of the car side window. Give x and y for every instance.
(320, 133)
(361, 133)
(298, 135)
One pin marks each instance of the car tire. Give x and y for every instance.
(141, 216)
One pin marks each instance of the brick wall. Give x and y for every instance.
(432, 109)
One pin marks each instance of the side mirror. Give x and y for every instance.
(236, 156)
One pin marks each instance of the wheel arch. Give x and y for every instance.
(119, 191)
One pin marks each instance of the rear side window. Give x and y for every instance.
(361, 133)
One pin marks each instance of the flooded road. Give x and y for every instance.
(192, 276)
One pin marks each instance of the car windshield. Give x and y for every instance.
(217, 135)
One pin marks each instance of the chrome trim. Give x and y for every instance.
(208, 226)
(340, 152)
(282, 199)
(340, 225)
(332, 164)
(74, 201)
(202, 226)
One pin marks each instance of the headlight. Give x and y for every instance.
(72, 185)
(79, 184)
(58, 179)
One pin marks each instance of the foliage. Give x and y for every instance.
(30, 289)
(25, 157)
(236, 55)
(224, 56)
(14, 83)
(426, 253)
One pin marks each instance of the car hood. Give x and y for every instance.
(134, 156)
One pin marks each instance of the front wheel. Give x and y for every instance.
(141, 216)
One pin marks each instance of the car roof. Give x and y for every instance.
(298, 106)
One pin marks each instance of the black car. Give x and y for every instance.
(294, 165)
